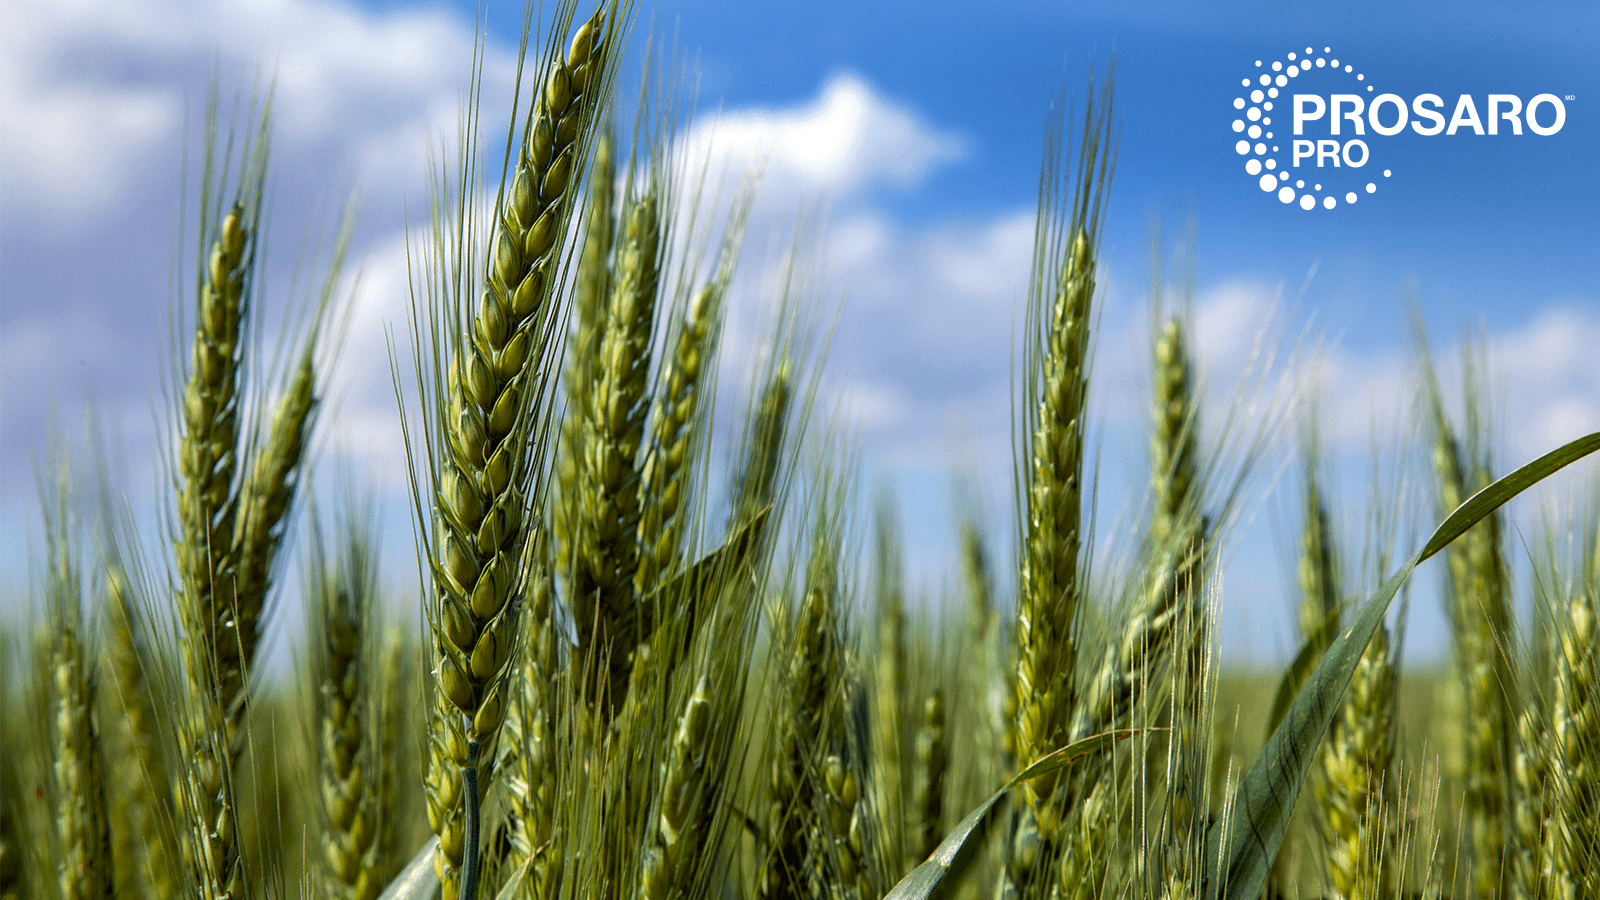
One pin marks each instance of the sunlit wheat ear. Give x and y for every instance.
(1318, 575)
(1570, 798)
(355, 783)
(668, 467)
(806, 712)
(890, 766)
(766, 442)
(144, 853)
(1050, 468)
(932, 754)
(670, 861)
(493, 412)
(1357, 788)
(213, 644)
(267, 493)
(585, 368)
(1177, 537)
(527, 767)
(82, 840)
(602, 591)
(1480, 622)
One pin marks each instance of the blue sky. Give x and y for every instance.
(920, 126)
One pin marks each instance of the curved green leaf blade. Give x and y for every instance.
(1304, 663)
(920, 884)
(1261, 804)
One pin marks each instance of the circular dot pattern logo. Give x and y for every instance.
(1283, 167)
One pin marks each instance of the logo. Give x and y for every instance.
(1337, 126)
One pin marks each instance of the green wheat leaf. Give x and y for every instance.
(1245, 842)
(922, 881)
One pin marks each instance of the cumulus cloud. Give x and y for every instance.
(849, 138)
(93, 94)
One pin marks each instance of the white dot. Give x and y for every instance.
(1286, 194)
(1327, 49)
(1386, 173)
(1369, 87)
(1350, 197)
(1254, 114)
(1255, 131)
(1238, 124)
(1268, 183)
(1272, 92)
(1266, 120)
(1238, 103)
(1245, 82)
(1274, 146)
(1258, 62)
(1268, 105)
(1272, 164)
(1277, 67)
(1307, 201)
(1349, 68)
(1255, 96)
(1299, 184)
(1293, 71)
(1260, 149)
(1266, 79)
(1321, 62)
(1308, 49)
(1371, 187)
(1335, 64)
(1253, 167)
(1282, 175)
(1316, 187)
(1329, 203)
(1361, 78)
(1291, 56)
(1280, 81)
(1242, 148)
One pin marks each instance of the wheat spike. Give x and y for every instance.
(1356, 787)
(678, 837)
(669, 465)
(266, 496)
(757, 482)
(355, 780)
(82, 827)
(1572, 821)
(584, 365)
(1051, 483)
(798, 840)
(492, 417)
(602, 595)
(144, 853)
(214, 639)
(928, 780)
(1480, 621)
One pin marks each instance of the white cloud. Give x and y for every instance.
(1544, 384)
(849, 138)
(92, 95)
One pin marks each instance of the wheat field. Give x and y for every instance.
(648, 671)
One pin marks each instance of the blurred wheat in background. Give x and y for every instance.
(646, 671)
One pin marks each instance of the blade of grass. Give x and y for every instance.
(1245, 840)
(924, 879)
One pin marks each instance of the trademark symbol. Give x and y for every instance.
(1572, 97)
